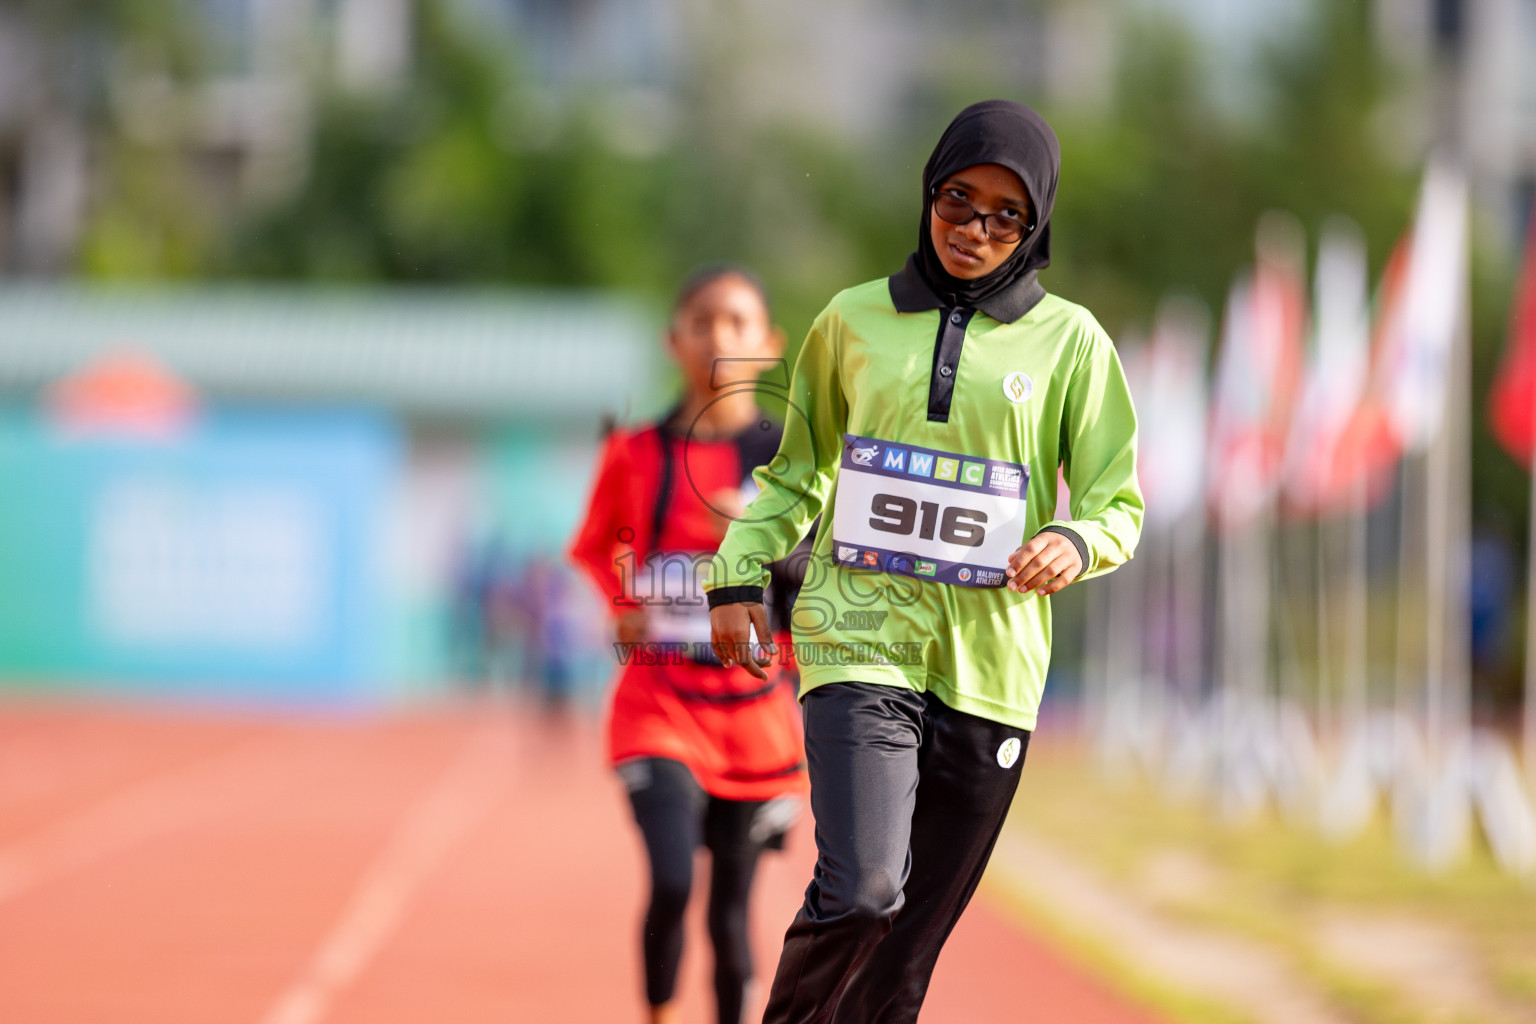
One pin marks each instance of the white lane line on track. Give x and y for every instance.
(204, 789)
(463, 795)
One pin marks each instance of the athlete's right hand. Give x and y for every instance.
(729, 634)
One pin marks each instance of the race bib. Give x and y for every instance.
(671, 583)
(927, 514)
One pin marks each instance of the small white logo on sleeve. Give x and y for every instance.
(1018, 387)
(1008, 752)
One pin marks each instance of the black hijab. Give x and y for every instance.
(991, 132)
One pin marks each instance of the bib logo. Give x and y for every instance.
(1006, 478)
(1008, 753)
(1018, 387)
(866, 456)
(964, 575)
(847, 554)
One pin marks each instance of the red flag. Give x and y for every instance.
(1257, 373)
(1336, 380)
(1512, 401)
(1418, 312)
(1369, 447)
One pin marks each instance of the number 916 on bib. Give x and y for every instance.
(928, 514)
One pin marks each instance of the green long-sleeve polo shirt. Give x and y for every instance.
(870, 371)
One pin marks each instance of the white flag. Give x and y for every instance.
(1418, 331)
(1171, 415)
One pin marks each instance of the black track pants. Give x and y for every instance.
(909, 796)
(675, 817)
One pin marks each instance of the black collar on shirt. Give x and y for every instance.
(911, 294)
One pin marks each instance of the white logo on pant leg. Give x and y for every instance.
(1008, 752)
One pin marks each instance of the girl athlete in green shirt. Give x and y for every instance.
(928, 416)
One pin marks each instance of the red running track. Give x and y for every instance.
(466, 865)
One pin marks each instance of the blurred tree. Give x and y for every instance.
(1166, 191)
(153, 214)
(467, 172)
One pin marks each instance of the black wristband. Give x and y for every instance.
(734, 595)
(1077, 542)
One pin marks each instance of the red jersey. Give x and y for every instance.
(653, 493)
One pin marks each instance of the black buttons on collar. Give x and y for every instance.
(946, 361)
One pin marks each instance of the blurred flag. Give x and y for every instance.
(1256, 376)
(1171, 410)
(1370, 447)
(1512, 402)
(1419, 307)
(1314, 476)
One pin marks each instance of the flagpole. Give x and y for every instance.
(1322, 648)
(1285, 626)
(1239, 684)
(1123, 678)
(1096, 666)
(1438, 499)
(1448, 497)
(1407, 578)
(1458, 569)
(1528, 732)
(1189, 575)
(1357, 625)
(1261, 634)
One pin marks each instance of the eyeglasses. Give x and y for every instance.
(1002, 227)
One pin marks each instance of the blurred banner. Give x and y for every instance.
(240, 557)
(305, 494)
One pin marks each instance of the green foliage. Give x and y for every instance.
(462, 176)
(1165, 193)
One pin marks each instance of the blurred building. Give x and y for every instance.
(235, 84)
(249, 74)
(1474, 92)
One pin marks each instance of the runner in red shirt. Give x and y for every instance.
(710, 755)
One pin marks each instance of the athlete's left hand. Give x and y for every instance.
(1047, 562)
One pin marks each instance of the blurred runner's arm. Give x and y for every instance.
(598, 548)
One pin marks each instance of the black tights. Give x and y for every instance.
(675, 817)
